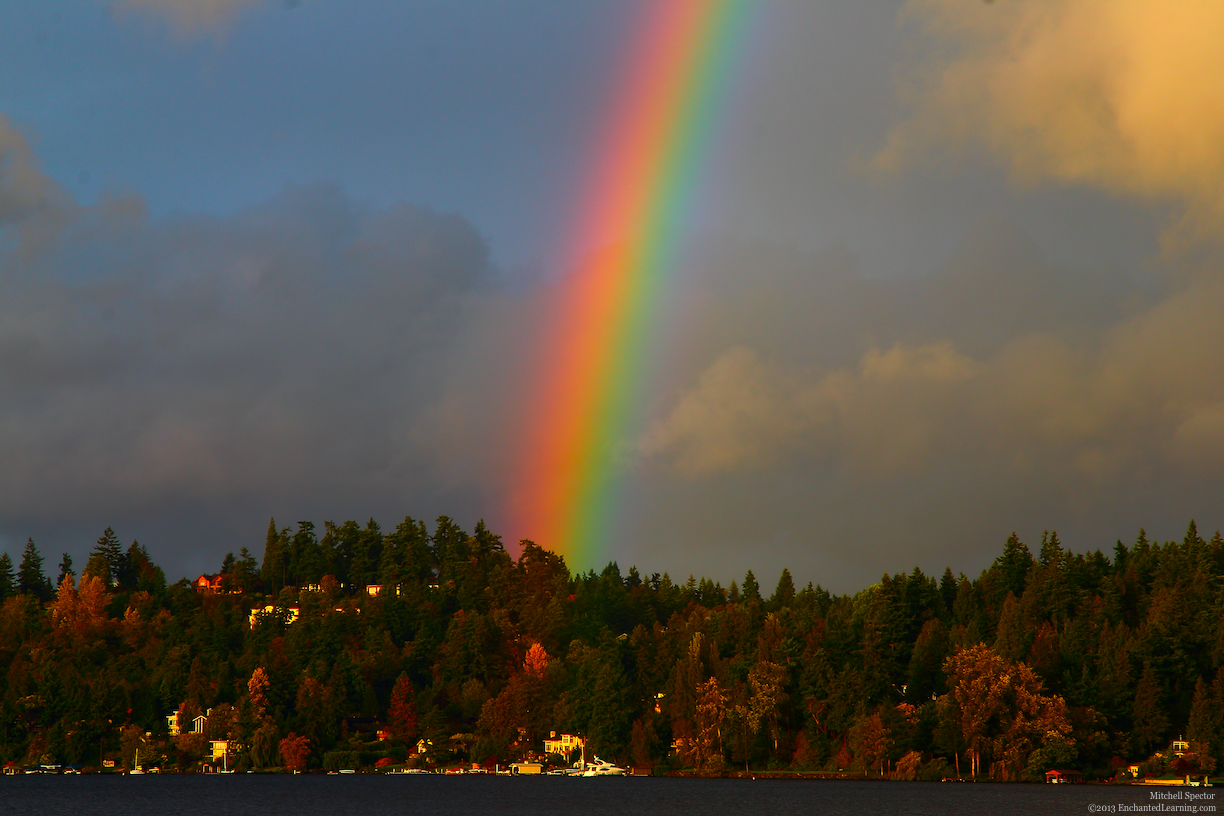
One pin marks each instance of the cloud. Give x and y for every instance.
(31, 204)
(746, 413)
(1120, 95)
(286, 356)
(193, 16)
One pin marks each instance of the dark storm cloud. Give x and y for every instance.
(287, 352)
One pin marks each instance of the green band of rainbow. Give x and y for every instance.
(619, 266)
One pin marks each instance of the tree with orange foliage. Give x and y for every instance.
(1003, 710)
(536, 662)
(295, 751)
(257, 692)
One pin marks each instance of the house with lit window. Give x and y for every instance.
(565, 744)
(291, 613)
(208, 583)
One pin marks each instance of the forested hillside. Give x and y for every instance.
(1057, 659)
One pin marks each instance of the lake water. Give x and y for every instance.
(362, 795)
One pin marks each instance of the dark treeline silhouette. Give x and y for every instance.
(359, 647)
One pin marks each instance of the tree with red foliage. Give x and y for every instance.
(295, 751)
(402, 714)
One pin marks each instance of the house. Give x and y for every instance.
(563, 745)
(374, 590)
(222, 748)
(172, 724)
(208, 583)
(423, 745)
(197, 724)
(1064, 777)
(291, 613)
(1179, 747)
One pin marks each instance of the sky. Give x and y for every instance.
(947, 270)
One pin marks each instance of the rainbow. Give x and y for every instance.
(595, 356)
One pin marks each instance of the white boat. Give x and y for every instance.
(603, 768)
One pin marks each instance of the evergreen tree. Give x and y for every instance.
(785, 593)
(228, 579)
(273, 570)
(1051, 550)
(1013, 567)
(1150, 722)
(139, 572)
(30, 578)
(751, 590)
(65, 569)
(307, 561)
(106, 561)
(450, 548)
(246, 570)
(8, 582)
(947, 589)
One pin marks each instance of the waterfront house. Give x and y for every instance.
(563, 745)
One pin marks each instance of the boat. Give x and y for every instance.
(602, 767)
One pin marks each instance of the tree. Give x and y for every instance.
(295, 751)
(8, 581)
(711, 711)
(766, 679)
(241, 573)
(106, 560)
(307, 560)
(30, 578)
(318, 710)
(751, 590)
(402, 713)
(273, 570)
(257, 692)
(65, 569)
(869, 741)
(1003, 712)
(785, 593)
(1150, 722)
(1013, 566)
(1206, 725)
(264, 745)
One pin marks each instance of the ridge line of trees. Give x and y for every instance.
(1059, 659)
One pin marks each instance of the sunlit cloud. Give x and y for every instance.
(1117, 94)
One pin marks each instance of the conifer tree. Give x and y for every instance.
(751, 590)
(1150, 722)
(106, 561)
(8, 582)
(785, 593)
(273, 569)
(65, 569)
(30, 578)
